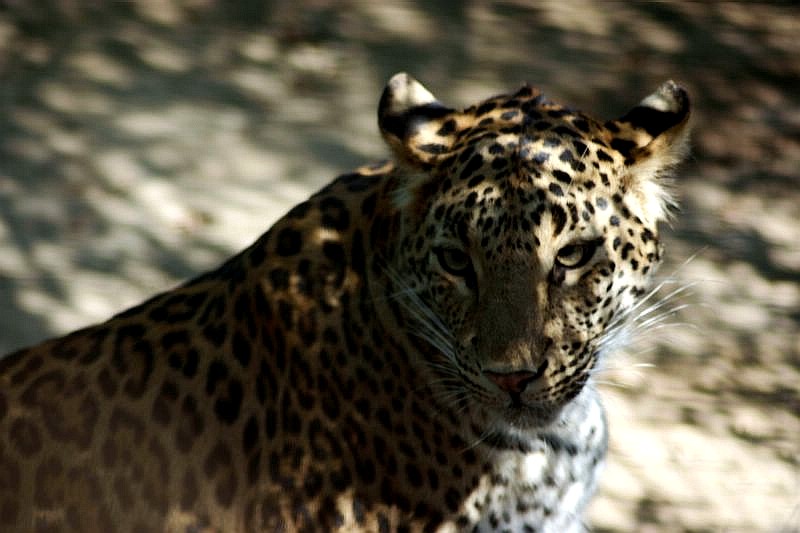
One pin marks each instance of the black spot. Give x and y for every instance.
(558, 113)
(227, 408)
(173, 338)
(471, 199)
(379, 231)
(581, 124)
(433, 148)
(478, 178)
(357, 255)
(305, 281)
(496, 149)
(413, 474)
(108, 384)
(291, 420)
(368, 205)
(472, 166)
(312, 483)
(614, 220)
(241, 348)
(447, 128)
(383, 417)
(177, 307)
(365, 469)
(563, 130)
(334, 251)
(499, 163)
(289, 242)
(250, 434)
(334, 214)
(270, 423)
(541, 157)
(25, 437)
(285, 312)
(525, 90)
(485, 108)
(552, 142)
(562, 176)
(556, 189)
(330, 406)
(445, 185)
(356, 182)
(453, 499)
(218, 464)
(253, 470)
(627, 249)
(217, 371)
(257, 255)
(279, 278)
(340, 479)
(300, 210)
(216, 333)
(559, 217)
(142, 353)
(623, 146)
(603, 156)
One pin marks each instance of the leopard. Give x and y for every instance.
(412, 348)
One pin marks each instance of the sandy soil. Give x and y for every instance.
(143, 142)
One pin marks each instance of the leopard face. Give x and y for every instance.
(527, 234)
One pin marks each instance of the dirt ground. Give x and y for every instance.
(141, 142)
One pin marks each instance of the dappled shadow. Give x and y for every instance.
(141, 143)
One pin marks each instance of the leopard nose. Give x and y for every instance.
(511, 382)
(515, 382)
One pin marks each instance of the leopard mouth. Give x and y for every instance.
(521, 415)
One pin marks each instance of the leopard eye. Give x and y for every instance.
(454, 261)
(576, 255)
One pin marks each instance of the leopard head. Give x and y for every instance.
(525, 234)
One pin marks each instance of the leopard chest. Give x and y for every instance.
(540, 482)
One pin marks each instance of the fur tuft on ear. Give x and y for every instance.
(411, 120)
(654, 138)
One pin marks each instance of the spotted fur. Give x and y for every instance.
(408, 350)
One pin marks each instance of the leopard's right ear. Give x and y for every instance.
(413, 122)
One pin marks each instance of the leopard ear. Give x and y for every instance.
(653, 137)
(412, 121)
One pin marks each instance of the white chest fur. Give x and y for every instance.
(543, 482)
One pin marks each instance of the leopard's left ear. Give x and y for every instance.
(654, 138)
(413, 121)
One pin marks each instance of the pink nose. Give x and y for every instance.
(512, 382)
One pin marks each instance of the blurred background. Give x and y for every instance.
(142, 142)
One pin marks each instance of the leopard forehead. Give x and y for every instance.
(522, 146)
(519, 172)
